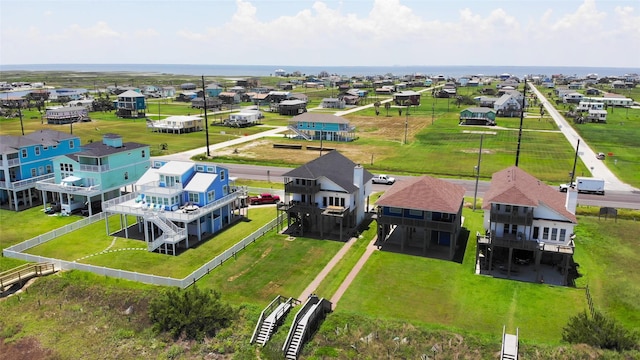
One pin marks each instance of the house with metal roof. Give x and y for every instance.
(99, 171)
(326, 197)
(27, 159)
(528, 222)
(60, 115)
(131, 104)
(478, 116)
(421, 215)
(178, 204)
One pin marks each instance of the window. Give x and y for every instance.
(342, 202)
(563, 235)
(507, 208)
(24, 153)
(126, 175)
(49, 169)
(554, 234)
(505, 229)
(222, 175)
(210, 169)
(143, 153)
(194, 197)
(200, 168)
(37, 148)
(393, 210)
(33, 172)
(71, 144)
(40, 170)
(211, 195)
(415, 212)
(545, 233)
(497, 207)
(515, 209)
(324, 201)
(161, 178)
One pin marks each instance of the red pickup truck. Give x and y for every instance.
(264, 199)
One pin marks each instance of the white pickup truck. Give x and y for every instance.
(383, 179)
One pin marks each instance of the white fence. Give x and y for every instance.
(16, 252)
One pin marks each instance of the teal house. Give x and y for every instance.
(131, 104)
(313, 126)
(98, 172)
(27, 159)
(478, 116)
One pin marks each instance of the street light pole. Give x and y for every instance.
(477, 170)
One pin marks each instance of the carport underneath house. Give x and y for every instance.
(512, 257)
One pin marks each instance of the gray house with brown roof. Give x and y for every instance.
(327, 196)
(526, 220)
(424, 213)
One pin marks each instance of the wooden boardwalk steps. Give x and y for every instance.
(23, 273)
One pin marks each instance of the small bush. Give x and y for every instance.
(599, 331)
(192, 313)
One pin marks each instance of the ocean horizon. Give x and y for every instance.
(269, 70)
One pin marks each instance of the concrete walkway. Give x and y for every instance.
(354, 272)
(587, 155)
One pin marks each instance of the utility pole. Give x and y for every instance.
(575, 161)
(20, 115)
(206, 120)
(477, 169)
(524, 99)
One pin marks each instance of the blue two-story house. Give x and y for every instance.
(97, 172)
(131, 104)
(25, 160)
(177, 204)
(421, 215)
(313, 126)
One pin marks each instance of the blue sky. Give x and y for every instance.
(599, 33)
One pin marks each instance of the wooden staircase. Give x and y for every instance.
(271, 317)
(307, 320)
(23, 273)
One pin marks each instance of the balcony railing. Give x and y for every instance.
(293, 188)
(429, 224)
(297, 206)
(94, 168)
(10, 162)
(519, 242)
(50, 185)
(513, 218)
(24, 184)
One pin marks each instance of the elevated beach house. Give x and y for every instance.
(326, 197)
(27, 159)
(478, 116)
(422, 214)
(177, 204)
(526, 221)
(177, 124)
(131, 104)
(97, 172)
(316, 126)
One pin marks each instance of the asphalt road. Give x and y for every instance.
(612, 198)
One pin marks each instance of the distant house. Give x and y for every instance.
(292, 107)
(87, 103)
(212, 103)
(99, 171)
(423, 213)
(407, 97)
(332, 103)
(131, 104)
(213, 90)
(188, 86)
(278, 96)
(314, 126)
(572, 97)
(244, 118)
(588, 105)
(592, 91)
(27, 159)
(595, 115)
(228, 97)
(508, 105)
(178, 204)
(177, 124)
(167, 91)
(66, 115)
(478, 116)
(326, 197)
(486, 101)
(279, 72)
(526, 220)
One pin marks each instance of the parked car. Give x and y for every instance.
(383, 179)
(264, 199)
(600, 156)
(53, 208)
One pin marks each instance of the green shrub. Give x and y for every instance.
(599, 331)
(192, 313)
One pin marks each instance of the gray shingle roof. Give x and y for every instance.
(333, 166)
